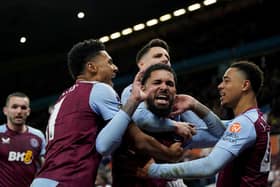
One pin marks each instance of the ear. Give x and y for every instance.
(140, 64)
(246, 85)
(29, 111)
(92, 67)
(5, 110)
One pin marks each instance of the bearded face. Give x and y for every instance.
(161, 104)
(160, 101)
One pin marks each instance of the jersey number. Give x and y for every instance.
(52, 119)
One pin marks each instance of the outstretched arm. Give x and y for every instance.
(223, 152)
(200, 168)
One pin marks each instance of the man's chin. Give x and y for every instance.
(19, 123)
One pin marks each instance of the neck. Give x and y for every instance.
(17, 128)
(244, 104)
(94, 78)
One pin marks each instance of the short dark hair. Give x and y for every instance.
(156, 67)
(16, 94)
(81, 53)
(153, 43)
(252, 72)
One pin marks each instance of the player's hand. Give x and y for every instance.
(144, 171)
(176, 152)
(137, 93)
(182, 103)
(185, 129)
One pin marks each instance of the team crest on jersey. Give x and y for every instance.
(34, 142)
(5, 140)
(235, 128)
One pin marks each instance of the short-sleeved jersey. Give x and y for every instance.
(252, 163)
(20, 156)
(78, 116)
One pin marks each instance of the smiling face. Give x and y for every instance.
(232, 87)
(104, 67)
(17, 110)
(161, 100)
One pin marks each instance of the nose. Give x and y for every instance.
(220, 86)
(165, 60)
(115, 68)
(19, 109)
(163, 86)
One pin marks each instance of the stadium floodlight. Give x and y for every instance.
(165, 17)
(179, 12)
(209, 2)
(194, 7)
(22, 39)
(127, 31)
(104, 39)
(115, 35)
(152, 22)
(81, 15)
(138, 27)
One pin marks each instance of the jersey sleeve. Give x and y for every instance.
(199, 168)
(239, 135)
(125, 94)
(39, 134)
(104, 101)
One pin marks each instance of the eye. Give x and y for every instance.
(156, 82)
(170, 83)
(24, 107)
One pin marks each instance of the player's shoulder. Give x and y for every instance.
(127, 89)
(251, 115)
(103, 86)
(3, 128)
(36, 132)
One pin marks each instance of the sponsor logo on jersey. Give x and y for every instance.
(25, 157)
(232, 135)
(235, 128)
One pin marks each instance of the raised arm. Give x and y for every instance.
(110, 137)
(185, 102)
(146, 120)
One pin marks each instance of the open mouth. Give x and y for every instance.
(162, 99)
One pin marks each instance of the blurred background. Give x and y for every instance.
(204, 37)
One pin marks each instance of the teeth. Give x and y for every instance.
(162, 97)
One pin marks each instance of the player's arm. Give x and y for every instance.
(149, 145)
(146, 120)
(200, 168)
(185, 102)
(227, 148)
(106, 104)
(41, 157)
